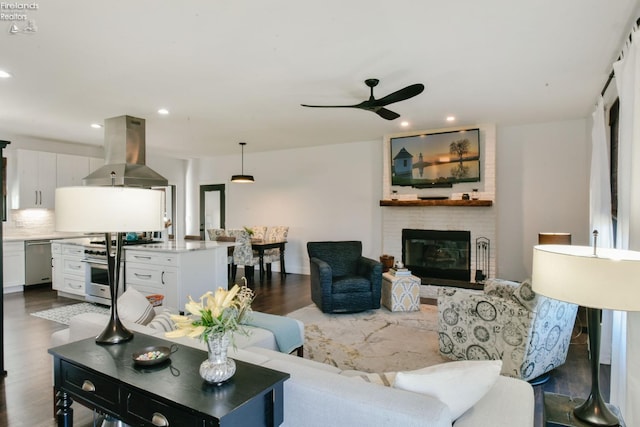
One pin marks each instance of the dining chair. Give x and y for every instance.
(243, 254)
(277, 233)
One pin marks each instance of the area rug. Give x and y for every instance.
(64, 313)
(372, 341)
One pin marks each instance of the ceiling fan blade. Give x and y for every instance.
(387, 114)
(331, 106)
(399, 95)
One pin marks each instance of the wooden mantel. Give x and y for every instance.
(436, 202)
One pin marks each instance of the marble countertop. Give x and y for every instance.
(170, 246)
(50, 236)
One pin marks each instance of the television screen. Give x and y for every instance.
(435, 159)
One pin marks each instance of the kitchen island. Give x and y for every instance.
(177, 269)
(174, 269)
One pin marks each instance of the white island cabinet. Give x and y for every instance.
(177, 270)
(69, 269)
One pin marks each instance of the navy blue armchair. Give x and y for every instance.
(342, 280)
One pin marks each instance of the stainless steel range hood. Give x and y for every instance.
(124, 150)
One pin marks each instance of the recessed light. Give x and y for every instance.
(163, 111)
(4, 74)
(96, 125)
(404, 124)
(450, 118)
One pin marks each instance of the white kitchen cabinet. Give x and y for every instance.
(35, 180)
(69, 271)
(70, 169)
(13, 266)
(176, 275)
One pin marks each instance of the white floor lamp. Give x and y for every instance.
(110, 210)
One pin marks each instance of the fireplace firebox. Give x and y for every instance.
(437, 254)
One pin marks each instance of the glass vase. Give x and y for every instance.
(218, 368)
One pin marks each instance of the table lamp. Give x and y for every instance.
(108, 210)
(596, 278)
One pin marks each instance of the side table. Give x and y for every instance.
(172, 393)
(400, 293)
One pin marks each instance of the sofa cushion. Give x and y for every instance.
(135, 307)
(350, 284)
(385, 378)
(459, 385)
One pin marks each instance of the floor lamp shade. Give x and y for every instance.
(608, 280)
(554, 238)
(108, 209)
(596, 278)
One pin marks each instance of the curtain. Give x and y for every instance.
(600, 208)
(625, 371)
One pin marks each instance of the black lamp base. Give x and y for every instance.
(114, 333)
(559, 411)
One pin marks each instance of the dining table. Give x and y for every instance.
(261, 245)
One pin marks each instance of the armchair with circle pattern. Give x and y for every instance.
(530, 333)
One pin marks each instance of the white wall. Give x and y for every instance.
(542, 186)
(333, 192)
(322, 193)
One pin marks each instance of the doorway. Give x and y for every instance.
(211, 208)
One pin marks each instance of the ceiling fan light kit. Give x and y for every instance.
(377, 105)
(242, 178)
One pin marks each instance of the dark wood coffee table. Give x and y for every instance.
(105, 378)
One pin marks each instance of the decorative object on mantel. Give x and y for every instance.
(483, 251)
(219, 316)
(596, 278)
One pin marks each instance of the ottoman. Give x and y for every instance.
(400, 293)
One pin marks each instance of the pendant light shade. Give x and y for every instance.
(242, 178)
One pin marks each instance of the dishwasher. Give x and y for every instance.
(37, 262)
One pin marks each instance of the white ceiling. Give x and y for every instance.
(238, 70)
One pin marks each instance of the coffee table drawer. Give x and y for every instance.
(89, 386)
(157, 413)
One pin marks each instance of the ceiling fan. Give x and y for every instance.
(377, 105)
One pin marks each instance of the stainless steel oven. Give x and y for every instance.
(97, 281)
(97, 276)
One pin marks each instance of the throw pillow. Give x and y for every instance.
(525, 295)
(135, 307)
(163, 322)
(459, 385)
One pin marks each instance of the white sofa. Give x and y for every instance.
(321, 395)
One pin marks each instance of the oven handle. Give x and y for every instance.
(95, 261)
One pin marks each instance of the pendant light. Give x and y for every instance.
(242, 177)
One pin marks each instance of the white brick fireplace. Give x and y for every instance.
(479, 220)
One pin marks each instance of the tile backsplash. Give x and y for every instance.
(29, 222)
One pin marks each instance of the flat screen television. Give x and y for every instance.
(435, 159)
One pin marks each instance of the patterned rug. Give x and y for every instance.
(372, 341)
(63, 314)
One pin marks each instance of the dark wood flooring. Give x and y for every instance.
(26, 396)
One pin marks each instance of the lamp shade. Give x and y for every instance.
(554, 238)
(609, 280)
(108, 209)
